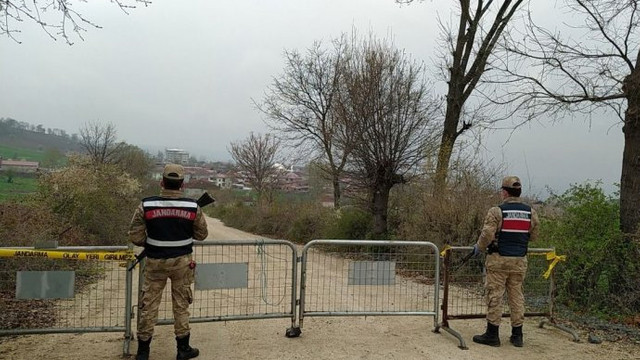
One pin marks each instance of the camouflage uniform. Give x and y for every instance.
(504, 272)
(158, 270)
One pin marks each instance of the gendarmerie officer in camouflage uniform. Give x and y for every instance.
(505, 236)
(166, 226)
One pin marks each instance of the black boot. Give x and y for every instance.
(516, 336)
(184, 350)
(490, 337)
(143, 350)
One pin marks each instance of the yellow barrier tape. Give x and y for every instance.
(556, 258)
(444, 251)
(104, 256)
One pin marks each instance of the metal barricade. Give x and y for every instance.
(88, 289)
(71, 289)
(463, 295)
(378, 277)
(239, 280)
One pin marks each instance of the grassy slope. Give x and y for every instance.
(18, 144)
(17, 153)
(20, 186)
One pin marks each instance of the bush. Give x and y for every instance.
(349, 223)
(309, 223)
(100, 199)
(414, 214)
(599, 273)
(454, 218)
(236, 215)
(295, 221)
(26, 223)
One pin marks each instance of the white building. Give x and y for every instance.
(176, 156)
(223, 181)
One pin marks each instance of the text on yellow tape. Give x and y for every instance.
(104, 256)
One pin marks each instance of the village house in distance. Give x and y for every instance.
(19, 166)
(291, 179)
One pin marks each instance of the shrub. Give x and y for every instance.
(454, 218)
(349, 223)
(26, 223)
(100, 199)
(601, 263)
(295, 221)
(236, 215)
(309, 223)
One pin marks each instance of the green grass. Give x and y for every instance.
(19, 187)
(14, 153)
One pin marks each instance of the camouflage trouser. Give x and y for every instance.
(505, 273)
(157, 271)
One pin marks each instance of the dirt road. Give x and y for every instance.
(322, 338)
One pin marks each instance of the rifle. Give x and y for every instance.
(492, 248)
(469, 255)
(463, 261)
(204, 200)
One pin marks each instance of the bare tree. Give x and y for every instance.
(386, 101)
(467, 56)
(557, 75)
(256, 157)
(300, 105)
(57, 18)
(100, 142)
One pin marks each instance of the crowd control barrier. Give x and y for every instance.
(463, 279)
(240, 280)
(71, 289)
(90, 289)
(376, 277)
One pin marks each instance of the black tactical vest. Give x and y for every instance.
(513, 237)
(169, 224)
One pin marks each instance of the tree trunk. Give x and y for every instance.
(630, 177)
(336, 191)
(449, 136)
(380, 205)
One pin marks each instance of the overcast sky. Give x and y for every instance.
(181, 74)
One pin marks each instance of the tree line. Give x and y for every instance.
(492, 52)
(362, 108)
(9, 125)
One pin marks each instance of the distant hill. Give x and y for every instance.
(21, 135)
